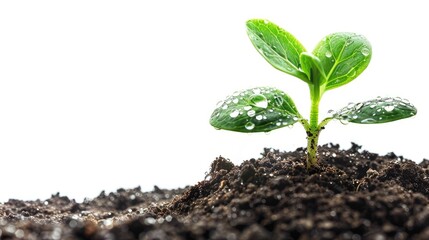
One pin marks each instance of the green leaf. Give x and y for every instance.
(280, 48)
(343, 56)
(312, 67)
(379, 110)
(255, 110)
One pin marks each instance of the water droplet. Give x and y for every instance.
(235, 94)
(358, 106)
(247, 108)
(264, 117)
(389, 108)
(295, 118)
(225, 106)
(368, 120)
(349, 41)
(350, 105)
(373, 106)
(235, 100)
(328, 54)
(259, 100)
(355, 117)
(365, 51)
(344, 121)
(330, 111)
(266, 21)
(251, 113)
(257, 91)
(234, 113)
(278, 123)
(278, 100)
(259, 117)
(249, 125)
(352, 73)
(379, 110)
(219, 104)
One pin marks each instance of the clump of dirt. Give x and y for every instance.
(352, 194)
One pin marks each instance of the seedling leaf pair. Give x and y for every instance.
(337, 60)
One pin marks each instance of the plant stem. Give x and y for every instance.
(313, 134)
(313, 129)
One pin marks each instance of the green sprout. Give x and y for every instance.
(337, 60)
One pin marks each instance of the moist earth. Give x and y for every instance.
(352, 194)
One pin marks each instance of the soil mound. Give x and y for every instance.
(352, 194)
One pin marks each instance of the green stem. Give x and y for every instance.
(313, 129)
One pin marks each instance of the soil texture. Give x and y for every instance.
(352, 194)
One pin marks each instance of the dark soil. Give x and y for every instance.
(353, 194)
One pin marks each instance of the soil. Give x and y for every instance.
(353, 194)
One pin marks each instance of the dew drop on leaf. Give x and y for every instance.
(259, 117)
(235, 100)
(225, 106)
(249, 125)
(359, 106)
(368, 120)
(234, 113)
(389, 108)
(219, 104)
(352, 73)
(349, 41)
(365, 51)
(259, 100)
(344, 121)
(251, 113)
(328, 54)
(247, 108)
(279, 101)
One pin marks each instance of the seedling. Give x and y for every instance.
(337, 60)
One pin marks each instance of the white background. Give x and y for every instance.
(98, 95)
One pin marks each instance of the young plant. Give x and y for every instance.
(337, 60)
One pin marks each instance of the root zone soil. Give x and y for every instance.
(353, 194)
